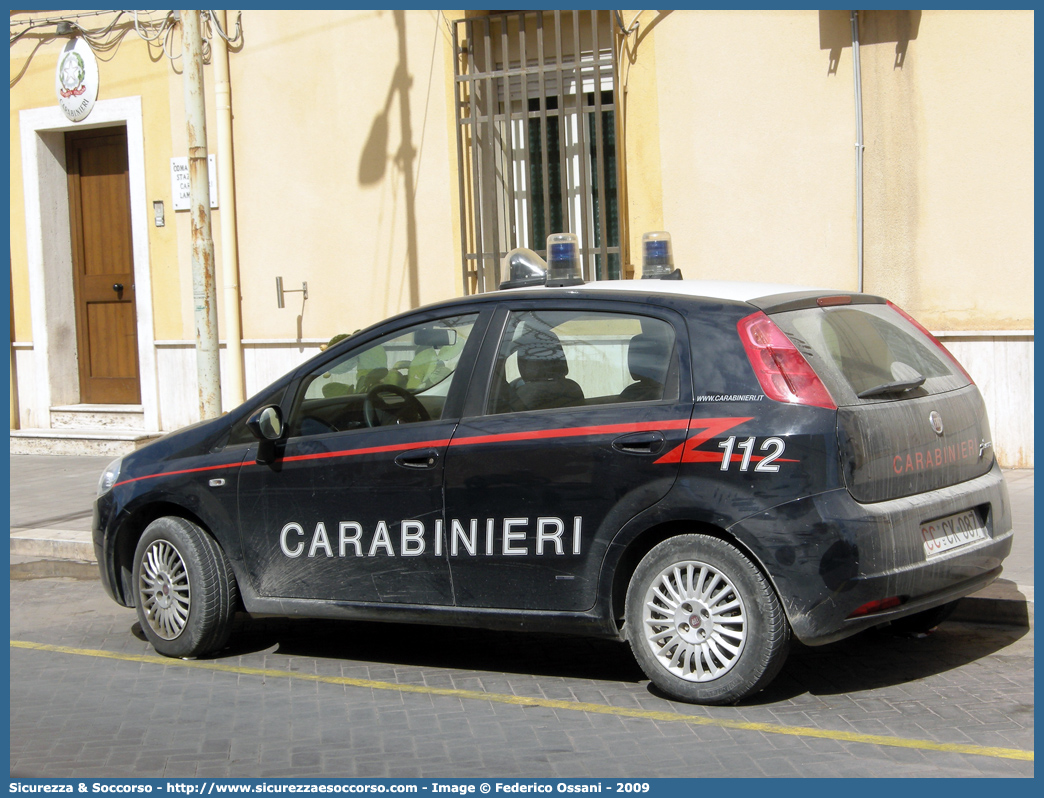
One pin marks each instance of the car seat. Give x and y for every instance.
(543, 368)
(648, 358)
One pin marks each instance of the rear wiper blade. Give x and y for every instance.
(899, 386)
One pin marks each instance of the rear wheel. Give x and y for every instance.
(703, 622)
(185, 591)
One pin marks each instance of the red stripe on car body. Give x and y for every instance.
(684, 453)
(572, 432)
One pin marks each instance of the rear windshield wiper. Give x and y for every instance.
(899, 386)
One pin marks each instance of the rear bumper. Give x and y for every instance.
(828, 555)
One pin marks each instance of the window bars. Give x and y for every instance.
(536, 139)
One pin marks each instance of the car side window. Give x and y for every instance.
(574, 358)
(402, 378)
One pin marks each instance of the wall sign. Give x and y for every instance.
(179, 182)
(76, 80)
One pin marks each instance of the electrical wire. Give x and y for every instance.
(155, 37)
(56, 20)
(168, 33)
(105, 40)
(632, 28)
(235, 39)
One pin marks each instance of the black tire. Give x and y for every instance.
(185, 592)
(921, 623)
(703, 622)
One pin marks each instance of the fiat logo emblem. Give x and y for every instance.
(936, 421)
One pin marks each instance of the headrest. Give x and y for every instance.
(648, 357)
(541, 357)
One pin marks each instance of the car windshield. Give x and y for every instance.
(419, 360)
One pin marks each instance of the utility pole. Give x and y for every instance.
(204, 289)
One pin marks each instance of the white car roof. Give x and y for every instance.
(714, 289)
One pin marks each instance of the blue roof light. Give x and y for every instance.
(563, 260)
(657, 256)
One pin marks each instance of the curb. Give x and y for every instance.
(1002, 602)
(53, 544)
(999, 612)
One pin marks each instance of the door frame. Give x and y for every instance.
(49, 252)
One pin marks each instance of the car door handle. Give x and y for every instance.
(425, 458)
(640, 443)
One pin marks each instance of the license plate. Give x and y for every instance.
(952, 532)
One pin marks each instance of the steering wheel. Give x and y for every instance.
(405, 408)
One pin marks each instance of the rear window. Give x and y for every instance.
(869, 353)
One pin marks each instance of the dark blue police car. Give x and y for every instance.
(704, 469)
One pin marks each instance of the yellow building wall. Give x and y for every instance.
(755, 136)
(639, 119)
(343, 172)
(949, 166)
(741, 129)
(343, 175)
(739, 135)
(21, 321)
(739, 132)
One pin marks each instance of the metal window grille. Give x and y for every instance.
(536, 139)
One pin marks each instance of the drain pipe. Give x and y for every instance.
(234, 391)
(859, 146)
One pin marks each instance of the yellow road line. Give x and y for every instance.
(575, 706)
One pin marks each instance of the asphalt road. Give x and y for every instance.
(310, 698)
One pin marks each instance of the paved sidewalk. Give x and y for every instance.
(52, 497)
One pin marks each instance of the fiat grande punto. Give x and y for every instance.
(705, 470)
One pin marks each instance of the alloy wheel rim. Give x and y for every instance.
(694, 621)
(164, 590)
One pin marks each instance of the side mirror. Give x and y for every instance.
(266, 423)
(267, 426)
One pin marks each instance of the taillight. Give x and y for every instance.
(781, 369)
(931, 338)
(881, 605)
(832, 301)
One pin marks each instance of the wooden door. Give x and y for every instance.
(103, 265)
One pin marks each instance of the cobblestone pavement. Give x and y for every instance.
(288, 699)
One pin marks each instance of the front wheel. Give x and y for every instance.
(185, 591)
(703, 622)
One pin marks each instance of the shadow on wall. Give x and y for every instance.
(875, 27)
(375, 155)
